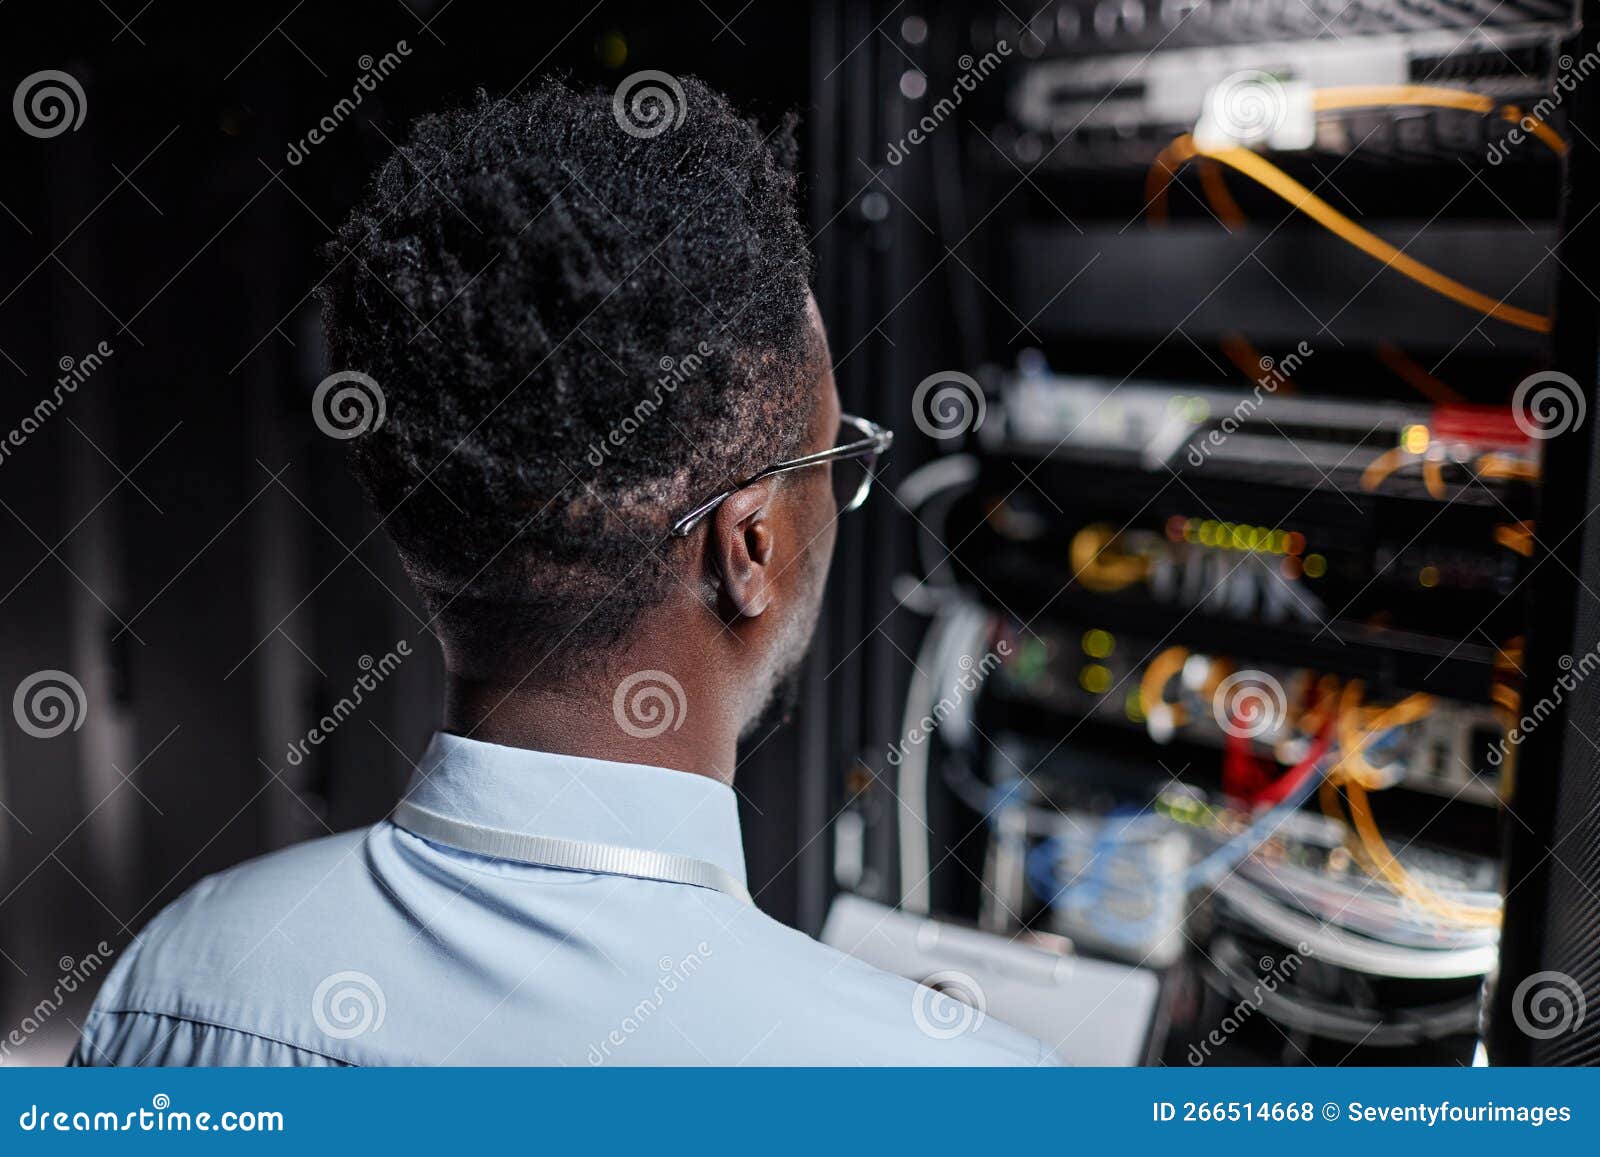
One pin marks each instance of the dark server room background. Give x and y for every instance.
(1175, 421)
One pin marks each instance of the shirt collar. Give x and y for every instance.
(569, 797)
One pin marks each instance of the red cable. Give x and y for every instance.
(1244, 774)
(1292, 778)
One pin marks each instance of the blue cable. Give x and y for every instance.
(1084, 898)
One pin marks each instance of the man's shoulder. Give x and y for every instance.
(253, 896)
(256, 947)
(216, 955)
(894, 1021)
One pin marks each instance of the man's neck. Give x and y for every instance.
(650, 721)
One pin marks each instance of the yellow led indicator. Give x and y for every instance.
(1133, 705)
(1414, 439)
(1095, 679)
(1239, 536)
(1428, 576)
(1315, 566)
(1097, 644)
(1214, 534)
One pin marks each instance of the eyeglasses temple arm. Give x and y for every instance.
(881, 437)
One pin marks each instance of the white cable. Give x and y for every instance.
(933, 477)
(911, 784)
(1331, 946)
(944, 478)
(954, 632)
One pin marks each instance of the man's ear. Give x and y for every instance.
(742, 547)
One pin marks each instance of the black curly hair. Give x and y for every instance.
(578, 330)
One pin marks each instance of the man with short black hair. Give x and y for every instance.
(612, 458)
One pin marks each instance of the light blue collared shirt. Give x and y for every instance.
(377, 947)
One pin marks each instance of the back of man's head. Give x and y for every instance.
(579, 330)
